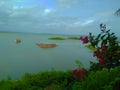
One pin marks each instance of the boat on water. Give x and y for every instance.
(42, 45)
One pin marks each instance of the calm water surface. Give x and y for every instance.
(17, 59)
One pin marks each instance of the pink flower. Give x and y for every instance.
(83, 70)
(81, 38)
(79, 73)
(76, 73)
(95, 54)
(84, 39)
(82, 73)
(102, 60)
(103, 47)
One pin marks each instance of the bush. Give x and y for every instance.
(106, 49)
(102, 80)
(64, 80)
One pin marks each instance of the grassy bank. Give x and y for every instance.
(64, 80)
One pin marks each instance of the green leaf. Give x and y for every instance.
(98, 37)
(104, 42)
(112, 33)
(91, 47)
(108, 31)
(79, 63)
(103, 36)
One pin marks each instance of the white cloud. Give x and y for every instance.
(87, 22)
(47, 10)
(33, 19)
(17, 7)
(43, 19)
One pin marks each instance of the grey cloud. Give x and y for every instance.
(67, 4)
(31, 19)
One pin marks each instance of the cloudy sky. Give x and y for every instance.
(58, 16)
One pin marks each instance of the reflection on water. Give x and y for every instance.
(17, 59)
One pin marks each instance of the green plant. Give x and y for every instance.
(79, 64)
(101, 80)
(107, 49)
(64, 80)
(80, 72)
(59, 79)
(76, 86)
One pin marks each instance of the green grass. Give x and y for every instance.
(64, 80)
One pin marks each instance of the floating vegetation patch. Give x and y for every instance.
(56, 38)
(74, 38)
(61, 38)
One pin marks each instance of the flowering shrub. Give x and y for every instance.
(107, 48)
(79, 73)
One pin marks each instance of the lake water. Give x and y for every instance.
(17, 59)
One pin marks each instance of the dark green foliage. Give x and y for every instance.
(102, 80)
(108, 49)
(39, 81)
(95, 66)
(64, 80)
(76, 86)
(104, 38)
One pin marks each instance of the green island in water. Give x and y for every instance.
(61, 38)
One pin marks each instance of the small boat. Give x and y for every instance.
(42, 45)
(17, 41)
